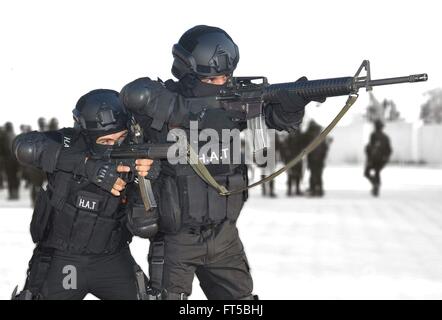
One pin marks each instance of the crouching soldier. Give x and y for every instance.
(79, 223)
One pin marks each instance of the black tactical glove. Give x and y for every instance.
(288, 112)
(101, 173)
(291, 102)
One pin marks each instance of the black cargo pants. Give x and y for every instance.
(66, 276)
(215, 254)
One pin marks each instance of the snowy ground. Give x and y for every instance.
(344, 246)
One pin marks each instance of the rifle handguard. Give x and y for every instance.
(311, 89)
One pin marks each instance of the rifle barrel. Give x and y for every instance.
(382, 82)
(333, 87)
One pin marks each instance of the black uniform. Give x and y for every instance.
(76, 223)
(78, 226)
(198, 226)
(378, 152)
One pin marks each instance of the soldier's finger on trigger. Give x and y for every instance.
(142, 168)
(117, 187)
(122, 168)
(120, 182)
(144, 162)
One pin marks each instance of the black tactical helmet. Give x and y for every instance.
(206, 52)
(100, 112)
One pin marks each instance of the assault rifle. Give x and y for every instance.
(246, 95)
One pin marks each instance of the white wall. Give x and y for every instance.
(411, 143)
(347, 145)
(430, 144)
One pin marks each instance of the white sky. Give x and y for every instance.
(52, 52)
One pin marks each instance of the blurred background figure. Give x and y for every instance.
(42, 125)
(293, 144)
(378, 152)
(11, 165)
(316, 160)
(53, 124)
(24, 128)
(2, 160)
(36, 176)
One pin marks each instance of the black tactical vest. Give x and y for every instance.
(185, 199)
(77, 216)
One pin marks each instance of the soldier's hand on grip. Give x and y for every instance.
(291, 102)
(143, 166)
(106, 175)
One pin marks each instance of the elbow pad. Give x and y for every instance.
(37, 149)
(147, 97)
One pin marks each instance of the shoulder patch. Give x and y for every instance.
(68, 135)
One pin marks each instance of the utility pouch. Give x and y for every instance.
(63, 222)
(40, 217)
(101, 234)
(194, 195)
(236, 201)
(82, 229)
(217, 204)
(170, 211)
(142, 223)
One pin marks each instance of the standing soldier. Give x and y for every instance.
(292, 146)
(53, 124)
(378, 152)
(316, 160)
(10, 163)
(198, 225)
(42, 125)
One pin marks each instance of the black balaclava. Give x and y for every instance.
(194, 87)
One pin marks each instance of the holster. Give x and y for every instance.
(36, 275)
